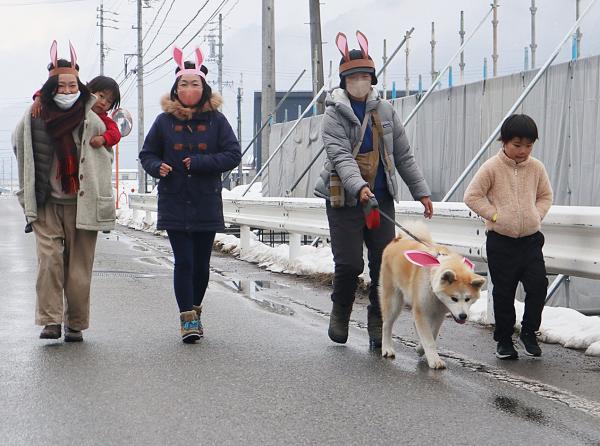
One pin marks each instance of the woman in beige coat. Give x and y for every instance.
(66, 194)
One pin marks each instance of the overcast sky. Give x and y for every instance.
(27, 28)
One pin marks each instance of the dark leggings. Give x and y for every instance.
(192, 252)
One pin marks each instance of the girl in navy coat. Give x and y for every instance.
(188, 147)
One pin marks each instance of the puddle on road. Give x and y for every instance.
(514, 407)
(250, 289)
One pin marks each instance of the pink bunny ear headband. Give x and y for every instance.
(56, 70)
(422, 258)
(178, 57)
(342, 43)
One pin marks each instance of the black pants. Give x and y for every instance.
(348, 232)
(192, 252)
(511, 261)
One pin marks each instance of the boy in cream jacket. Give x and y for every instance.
(512, 192)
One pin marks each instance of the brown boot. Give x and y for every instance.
(198, 310)
(52, 331)
(189, 327)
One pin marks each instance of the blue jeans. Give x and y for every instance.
(192, 252)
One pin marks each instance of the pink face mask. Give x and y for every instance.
(189, 96)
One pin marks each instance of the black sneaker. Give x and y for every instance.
(73, 335)
(528, 340)
(506, 350)
(52, 331)
(374, 328)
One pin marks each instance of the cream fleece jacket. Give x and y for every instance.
(519, 194)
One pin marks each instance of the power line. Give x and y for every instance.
(41, 3)
(212, 16)
(160, 27)
(154, 20)
(180, 33)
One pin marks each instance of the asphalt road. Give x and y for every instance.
(266, 372)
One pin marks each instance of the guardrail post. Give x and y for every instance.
(295, 243)
(244, 240)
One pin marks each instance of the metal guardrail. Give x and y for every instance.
(572, 232)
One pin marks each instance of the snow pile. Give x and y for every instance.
(254, 192)
(560, 325)
(311, 260)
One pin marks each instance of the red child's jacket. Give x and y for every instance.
(112, 135)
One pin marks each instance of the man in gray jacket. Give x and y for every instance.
(365, 144)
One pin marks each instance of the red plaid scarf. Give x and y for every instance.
(60, 125)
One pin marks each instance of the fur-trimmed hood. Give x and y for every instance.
(183, 113)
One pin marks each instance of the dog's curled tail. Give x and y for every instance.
(417, 228)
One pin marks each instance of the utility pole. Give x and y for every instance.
(462, 33)
(578, 34)
(495, 29)
(433, 72)
(101, 11)
(239, 127)
(268, 72)
(384, 58)
(140, 91)
(316, 45)
(220, 59)
(533, 45)
(407, 76)
(526, 59)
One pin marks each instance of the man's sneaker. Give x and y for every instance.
(506, 350)
(73, 335)
(50, 332)
(198, 310)
(189, 327)
(528, 340)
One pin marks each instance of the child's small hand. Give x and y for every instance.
(187, 162)
(36, 108)
(97, 141)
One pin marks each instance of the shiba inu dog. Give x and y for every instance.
(430, 278)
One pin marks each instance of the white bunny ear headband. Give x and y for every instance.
(342, 43)
(178, 57)
(56, 70)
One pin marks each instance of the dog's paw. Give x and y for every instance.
(420, 350)
(436, 363)
(388, 352)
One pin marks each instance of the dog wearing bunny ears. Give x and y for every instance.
(431, 279)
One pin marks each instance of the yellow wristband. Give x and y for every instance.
(495, 217)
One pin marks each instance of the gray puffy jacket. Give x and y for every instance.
(341, 132)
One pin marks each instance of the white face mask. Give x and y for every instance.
(66, 101)
(358, 88)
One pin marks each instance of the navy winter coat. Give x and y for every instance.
(190, 200)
